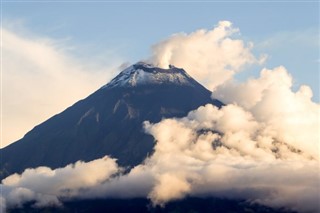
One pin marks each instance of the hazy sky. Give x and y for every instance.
(96, 37)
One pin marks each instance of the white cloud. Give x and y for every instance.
(210, 56)
(46, 186)
(40, 79)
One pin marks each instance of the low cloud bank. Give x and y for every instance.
(47, 187)
(211, 152)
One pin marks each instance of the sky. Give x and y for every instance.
(78, 46)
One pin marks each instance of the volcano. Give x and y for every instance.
(109, 121)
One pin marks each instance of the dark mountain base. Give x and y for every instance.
(141, 205)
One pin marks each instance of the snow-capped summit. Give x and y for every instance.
(143, 73)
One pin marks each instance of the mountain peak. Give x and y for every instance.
(143, 73)
(109, 121)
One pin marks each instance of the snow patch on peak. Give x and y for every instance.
(142, 73)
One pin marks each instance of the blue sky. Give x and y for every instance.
(107, 34)
(286, 31)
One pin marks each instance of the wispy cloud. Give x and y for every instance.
(307, 38)
(41, 78)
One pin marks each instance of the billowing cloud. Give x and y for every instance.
(290, 116)
(215, 151)
(41, 78)
(210, 56)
